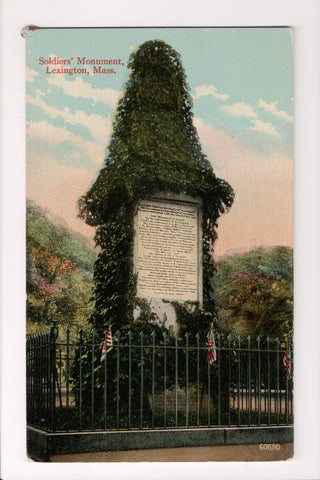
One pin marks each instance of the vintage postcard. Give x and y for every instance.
(159, 219)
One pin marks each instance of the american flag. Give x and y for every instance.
(107, 343)
(212, 353)
(286, 362)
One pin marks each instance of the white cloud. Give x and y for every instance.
(205, 90)
(272, 108)
(240, 109)
(55, 135)
(30, 74)
(264, 127)
(79, 88)
(263, 185)
(98, 126)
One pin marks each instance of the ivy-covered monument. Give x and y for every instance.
(155, 205)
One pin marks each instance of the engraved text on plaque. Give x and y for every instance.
(167, 250)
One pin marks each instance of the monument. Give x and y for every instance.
(155, 204)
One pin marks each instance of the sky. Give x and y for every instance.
(242, 87)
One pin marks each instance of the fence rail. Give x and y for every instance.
(151, 381)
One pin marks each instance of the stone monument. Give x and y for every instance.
(155, 204)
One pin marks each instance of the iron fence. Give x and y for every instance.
(157, 380)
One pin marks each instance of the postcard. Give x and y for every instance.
(159, 244)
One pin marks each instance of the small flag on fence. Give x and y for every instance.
(107, 344)
(286, 362)
(212, 353)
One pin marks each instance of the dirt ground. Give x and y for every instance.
(221, 453)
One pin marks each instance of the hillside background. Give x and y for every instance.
(59, 273)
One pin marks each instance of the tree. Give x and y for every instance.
(254, 293)
(154, 147)
(59, 274)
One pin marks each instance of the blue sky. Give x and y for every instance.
(242, 86)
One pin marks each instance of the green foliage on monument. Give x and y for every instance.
(154, 148)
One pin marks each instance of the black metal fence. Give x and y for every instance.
(157, 381)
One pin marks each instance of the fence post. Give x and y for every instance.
(117, 335)
(219, 381)
(176, 377)
(239, 379)
(259, 380)
(80, 379)
(41, 371)
(249, 380)
(291, 375)
(48, 388)
(37, 375)
(187, 379)
(93, 332)
(53, 336)
(129, 378)
(105, 389)
(229, 379)
(277, 382)
(287, 390)
(141, 379)
(164, 379)
(28, 379)
(67, 367)
(198, 380)
(153, 335)
(268, 374)
(208, 393)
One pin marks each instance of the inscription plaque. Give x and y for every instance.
(167, 256)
